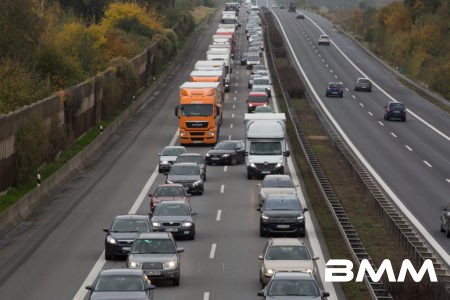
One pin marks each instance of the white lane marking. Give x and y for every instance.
(331, 71)
(225, 168)
(219, 214)
(232, 115)
(448, 180)
(82, 292)
(222, 188)
(347, 90)
(231, 125)
(353, 96)
(381, 123)
(427, 163)
(335, 76)
(235, 92)
(229, 136)
(213, 251)
(234, 105)
(370, 113)
(235, 98)
(360, 104)
(409, 148)
(206, 296)
(326, 65)
(393, 134)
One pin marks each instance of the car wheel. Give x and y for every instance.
(204, 177)
(192, 236)
(301, 233)
(447, 232)
(261, 232)
(386, 118)
(176, 282)
(109, 256)
(404, 119)
(341, 95)
(249, 175)
(442, 229)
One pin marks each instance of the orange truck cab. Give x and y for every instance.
(199, 112)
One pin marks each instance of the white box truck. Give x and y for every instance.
(265, 144)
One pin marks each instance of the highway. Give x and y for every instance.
(57, 251)
(412, 159)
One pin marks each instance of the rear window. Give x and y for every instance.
(363, 80)
(259, 99)
(397, 105)
(283, 183)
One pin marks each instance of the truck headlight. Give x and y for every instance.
(134, 264)
(171, 264)
(183, 133)
(111, 240)
(211, 133)
(279, 165)
(187, 224)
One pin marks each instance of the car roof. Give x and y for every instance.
(333, 82)
(170, 185)
(190, 154)
(286, 242)
(121, 271)
(171, 202)
(157, 235)
(174, 147)
(130, 217)
(280, 177)
(324, 36)
(293, 275)
(231, 141)
(257, 94)
(282, 196)
(186, 164)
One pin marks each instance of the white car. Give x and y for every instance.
(262, 82)
(275, 184)
(324, 40)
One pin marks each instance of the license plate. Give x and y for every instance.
(215, 158)
(196, 142)
(396, 111)
(282, 226)
(126, 249)
(153, 273)
(265, 172)
(172, 229)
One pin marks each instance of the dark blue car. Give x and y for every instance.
(334, 89)
(395, 110)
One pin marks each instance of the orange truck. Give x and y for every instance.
(210, 76)
(199, 112)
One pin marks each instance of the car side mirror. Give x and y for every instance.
(151, 287)
(159, 154)
(287, 153)
(189, 195)
(315, 258)
(325, 294)
(106, 230)
(218, 110)
(194, 213)
(89, 287)
(260, 257)
(258, 209)
(180, 250)
(260, 293)
(150, 195)
(176, 111)
(304, 210)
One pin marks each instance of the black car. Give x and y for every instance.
(121, 284)
(189, 175)
(175, 217)
(227, 152)
(282, 214)
(120, 236)
(334, 89)
(395, 110)
(194, 157)
(363, 84)
(244, 59)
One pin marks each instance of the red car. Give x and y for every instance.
(172, 191)
(256, 99)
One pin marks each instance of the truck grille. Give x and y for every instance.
(197, 124)
(265, 167)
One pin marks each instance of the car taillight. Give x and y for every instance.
(341, 88)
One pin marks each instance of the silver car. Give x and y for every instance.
(262, 82)
(156, 253)
(275, 184)
(167, 157)
(285, 254)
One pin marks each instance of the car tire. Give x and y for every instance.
(302, 233)
(341, 95)
(404, 119)
(176, 282)
(108, 256)
(447, 232)
(192, 237)
(249, 175)
(442, 229)
(261, 232)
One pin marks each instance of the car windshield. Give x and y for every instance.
(261, 81)
(172, 210)
(183, 170)
(363, 80)
(293, 287)
(288, 253)
(259, 99)
(196, 110)
(282, 204)
(153, 246)
(265, 148)
(194, 158)
(225, 146)
(253, 57)
(130, 225)
(334, 86)
(169, 191)
(119, 283)
(172, 151)
(397, 106)
(277, 182)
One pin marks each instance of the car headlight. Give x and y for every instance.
(156, 224)
(170, 264)
(252, 165)
(310, 271)
(197, 183)
(164, 162)
(264, 217)
(168, 181)
(279, 165)
(111, 240)
(134, 264)
(269, 272)
(207, 154)
(187, 224)
(226, 155)
(301, 218)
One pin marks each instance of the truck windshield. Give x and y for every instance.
(188, 110)
(265, 148)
